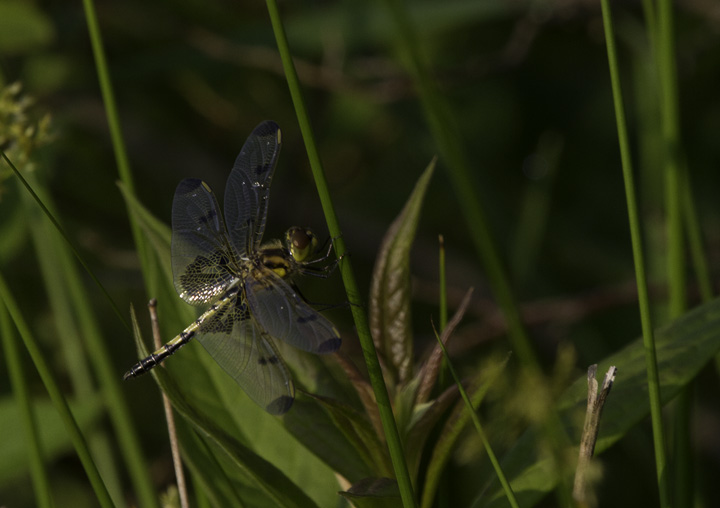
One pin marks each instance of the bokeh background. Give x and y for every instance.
(528, 84)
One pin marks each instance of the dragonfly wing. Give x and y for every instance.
(282, 312)
(248, 187)
(202, 259)
(247, 354)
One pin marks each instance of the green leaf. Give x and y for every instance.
(374, 493)
(358, 430)
(390, 291)
(311, 424)
(683, 348)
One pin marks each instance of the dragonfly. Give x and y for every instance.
(247, 284)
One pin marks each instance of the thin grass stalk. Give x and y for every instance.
(57, 397)
(392, 436)
(638, 257)
(138, 471)
(21, 394)
(447, 135)
(169, 416)
(507, 488)
(695, 242)
(670, 115)
(443, 284)
(113, 118)
(443, 491)
(671, 138)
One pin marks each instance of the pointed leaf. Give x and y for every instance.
(390, 291)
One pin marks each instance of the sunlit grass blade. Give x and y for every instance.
(653, 382)
(361, 323)
(56, 396)
(21, 394)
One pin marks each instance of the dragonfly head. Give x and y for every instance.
(301, 242)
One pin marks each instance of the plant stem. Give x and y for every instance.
(392, 436)
(636, 239)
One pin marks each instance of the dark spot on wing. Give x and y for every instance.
(264, 360)
(209, 217)
(329, 346)
(280, 406)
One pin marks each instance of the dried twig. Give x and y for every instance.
(172, 432)
(596, 401)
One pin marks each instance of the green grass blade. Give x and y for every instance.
(636, 238)
(389, 425)
(41, 485)
(478, 426)
(57, 397)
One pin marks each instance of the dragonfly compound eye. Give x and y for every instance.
(301, 242)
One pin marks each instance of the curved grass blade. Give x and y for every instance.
(470, 408)
(477, 389)
(390, 290)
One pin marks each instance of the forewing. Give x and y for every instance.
(248, 187)
(284, 315)
(247, 354)
(202, 258)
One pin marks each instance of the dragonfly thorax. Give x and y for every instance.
(278, 259)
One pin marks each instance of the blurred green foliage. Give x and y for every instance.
(528, 85)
